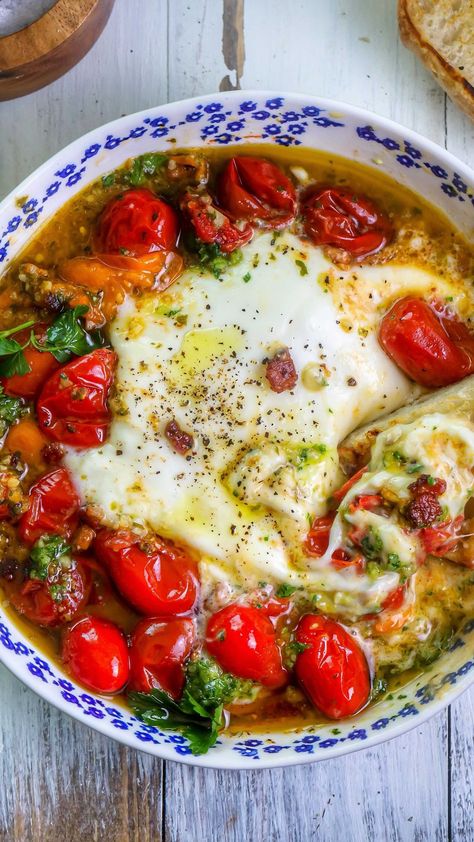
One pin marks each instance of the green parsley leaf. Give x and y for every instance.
(285, 590)
(187, 717)
(393, 561)
(247, 277)
(214, 260)
(10, 410)
(66, 336)
(108, 180)
(145, 166)
(45, 551)
(14, 363)
(302, 267)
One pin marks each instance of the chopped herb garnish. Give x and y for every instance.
(199, 713)
(393, 561)
(10, 410)
(413, 468)
(247, 277)
(214, 260)
(371, 545)
(108, 180)
(302, 267)
(285, 590)
(145, 166)
(46, 550)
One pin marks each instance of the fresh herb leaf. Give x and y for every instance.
(66, 336)
(413, 468)
(285, 590)
(199, 715)
(45, 551)
(291, 652)
(393, 561)
(108, 180)
(10, 410)
(247, 277)
(14, 363)
(187, 717)
(145, 166)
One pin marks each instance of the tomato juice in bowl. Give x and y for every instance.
(335, 206)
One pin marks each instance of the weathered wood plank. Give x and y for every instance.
(395, 793)
(462, 768)
(61, 780)
(124, 72)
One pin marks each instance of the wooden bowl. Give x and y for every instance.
(43, 51)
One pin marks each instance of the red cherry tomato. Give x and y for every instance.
(137, 222)
(333, 670)
(53, 507)
(95, 654)
(41, 364)
(257, 190)
(395, 599)
(317, 539)
(72, 406)
(440, 540)
(54, 601)
(433, 350)
(211, 225)
(341, 559)
(341, 492)
(160, 648)
(335, 217)
(163, 580)
(366, 502)
(242, 640)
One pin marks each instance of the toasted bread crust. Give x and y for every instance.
(457, 399)
(450, 78)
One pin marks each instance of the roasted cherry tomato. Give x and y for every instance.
(257, 190)
(72, 406)
(242, 640)
(41, 364)
(160, 648)
(211, 225)
(317, 539)
(431, 349)
(395, 599)
(137, 222)
(332, 670)
(53, 507)
(56, 600)
(440, 540)
(158, 578)
(341, 492)
(335, 217)
(95, 654)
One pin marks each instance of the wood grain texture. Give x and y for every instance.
(61, 780)
(39, 53)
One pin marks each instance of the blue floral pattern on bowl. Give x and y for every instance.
(232, 119)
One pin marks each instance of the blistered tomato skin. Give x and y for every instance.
(242, 640)
(137, 223)
(53, 507)
(431, 349)
(94, 652)
(56, 601)
(161, 581)
(159, 650)
(72, 407)
(257, 190)
(211, 226)
(332, 670)
(335, 217)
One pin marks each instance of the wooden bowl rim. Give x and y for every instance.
(41, 32)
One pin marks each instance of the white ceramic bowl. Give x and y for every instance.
(226, 119)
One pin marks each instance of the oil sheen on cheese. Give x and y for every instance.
(263, 463)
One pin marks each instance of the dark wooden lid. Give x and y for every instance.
(43, 51)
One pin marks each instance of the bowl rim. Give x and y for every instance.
(227, 761)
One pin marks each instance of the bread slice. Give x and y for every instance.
(441, 33)
(457, 399)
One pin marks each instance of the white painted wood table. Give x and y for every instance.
(59, 780)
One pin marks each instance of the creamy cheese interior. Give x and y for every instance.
(263, 463)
